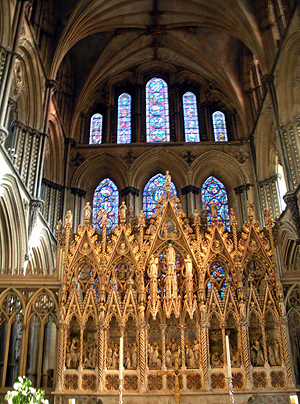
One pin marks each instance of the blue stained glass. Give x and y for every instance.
(96, 129)
(106, 197)
(157, 111)
(190, 114)
(218, 272)
(219, 124)
(124, 119)
(153, 190)
(214, 191)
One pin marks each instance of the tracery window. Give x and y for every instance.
(219, 125)
(157, 111)
(213, 191)
(190, 115)
(96, 127)
(153, 190)
(218, 275)
(106, 197)
(124, 119)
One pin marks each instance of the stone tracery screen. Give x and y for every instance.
(106, 197)
(190, 114)
(213, 191)
(157, 111)
(124, 118)
(153, 190)
(96, 129)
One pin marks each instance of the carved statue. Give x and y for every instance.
(232, 217)
(168, 186)
(197, 217)
(141, 219)
(133, 353)
(250, 210)
(69, 218)
(188, 276)
(214, 210)
(267, 215)
(87, 212)
(216, 359)
(122, 212)
(257, 356)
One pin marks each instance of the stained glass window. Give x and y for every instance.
(157, 111)
(153, 190)
(219, 124)
(96, 129)
(124, 119)
(214, 191)
(106, 197)
(190, 114)
(218, 273)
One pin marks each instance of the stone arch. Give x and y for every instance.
(89, 175)
(14, 241)
(222, 166)
(53, 166)
(288, 82)
(158, 160)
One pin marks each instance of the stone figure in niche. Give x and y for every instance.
(277, 356)
(109, 356)
(171, 279)
(115, 358)
(87, 212)
(257, 356)
(90, 352)
(127, 359)
(190, 357)
(72, 360)
(196, 352)
(154, 356)
(122, 212)
(122, 249)
(168, 356)
(270, 351)
(216, 360)
(133, 353)
(188, 276)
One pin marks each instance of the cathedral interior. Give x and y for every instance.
(150, 200)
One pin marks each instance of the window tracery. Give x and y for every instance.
(106, 198)
(124, 119)
(153, 190)
(219, 125)
(190, 114)
(213, 191)
(157, 111)
(96, 127)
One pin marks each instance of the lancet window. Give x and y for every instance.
(214, 193)
(96, 127)
(157, 111)
(11, 328)
(106, 200)
(219, 125)
(124, 119)
(153, 190)
(190, 115)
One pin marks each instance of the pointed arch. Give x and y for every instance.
(153, 190)
(96, 127)
(219, 125)
(124, 119)
(190, 115)
(213, 191)
(106, 197)
(157, 111)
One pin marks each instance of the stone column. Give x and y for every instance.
(244, 326)
(291, 200)
(190, 191)
(205, 122)
(130, 193)
(7, 73)
(204, 344)
(79, 195)
(241, 192)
